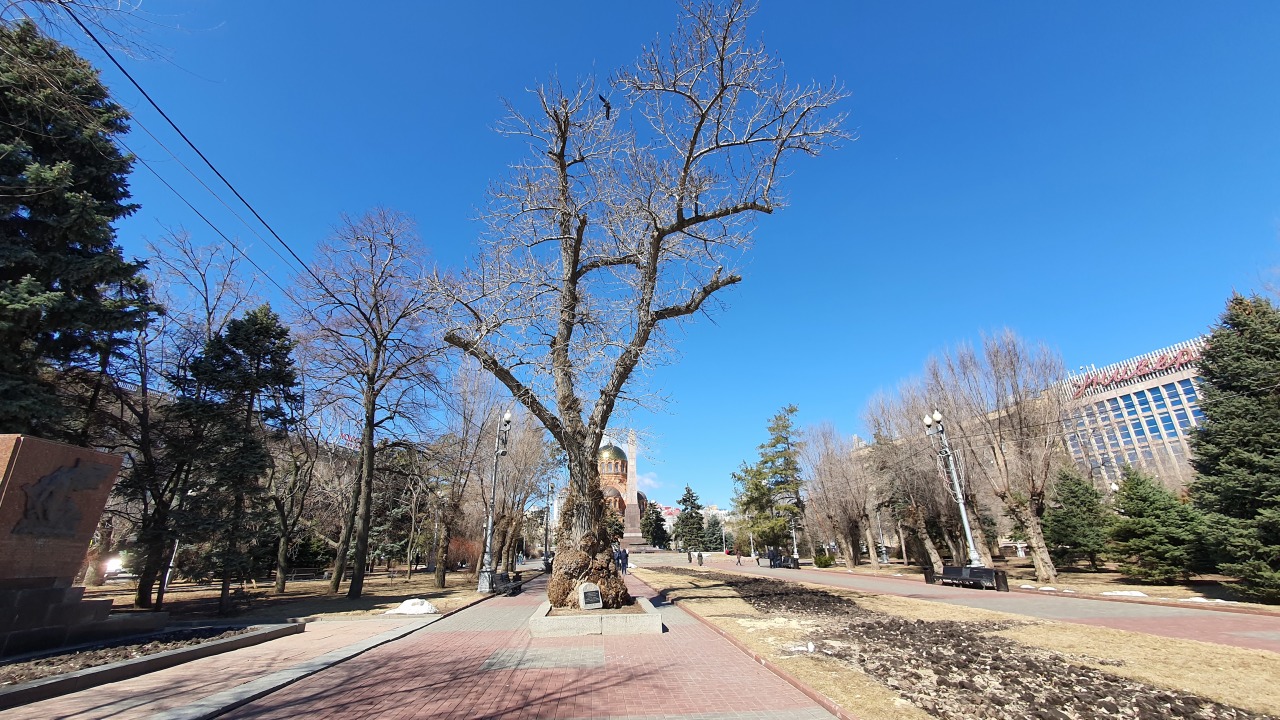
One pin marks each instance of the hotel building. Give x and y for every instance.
(1139, 412)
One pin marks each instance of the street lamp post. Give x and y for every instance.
(546, 528)
(949, 462)
(485, 584)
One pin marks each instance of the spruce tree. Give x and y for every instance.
(1075, 524)
(689, 528)
(1155, 537)
(67, 295)
(769, 489)
(1237, 449)
(654, 527)
(713, 537)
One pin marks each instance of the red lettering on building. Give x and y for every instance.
(1124, 373)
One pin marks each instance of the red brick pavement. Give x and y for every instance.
(482, 663)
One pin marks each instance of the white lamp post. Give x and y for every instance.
(485, 584)
(930, 421)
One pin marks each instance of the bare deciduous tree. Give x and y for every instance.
(842, 490)
(611, 231)
(1004, 409)
(366, 312)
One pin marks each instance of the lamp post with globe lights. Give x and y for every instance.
(934, 426)
(485, 584)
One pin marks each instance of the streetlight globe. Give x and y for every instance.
(506, 418)
(937, 416)
(928, 421)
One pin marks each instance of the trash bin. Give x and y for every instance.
(1002, 581)
(929, 576)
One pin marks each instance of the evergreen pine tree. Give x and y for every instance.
(769, 490)
(1155, 536)
(1075, 524)
(654, 527)
(689, 528)
(713, 537)
(1237, 449)
(67, 295)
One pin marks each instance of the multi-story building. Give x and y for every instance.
(1138, 412)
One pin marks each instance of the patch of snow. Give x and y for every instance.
(1125, 593)
(1068, 591)
(1049, 588)
(1204, 600)
(897, 574)
(414, 606)
(1027, 587)
(810, 647)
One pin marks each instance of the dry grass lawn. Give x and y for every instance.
(1245, 678)
(303, 598)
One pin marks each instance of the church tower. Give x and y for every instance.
(619, 483)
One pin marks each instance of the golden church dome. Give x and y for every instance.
(612, 452)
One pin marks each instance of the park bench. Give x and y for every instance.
(979, 578)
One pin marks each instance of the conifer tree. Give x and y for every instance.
(689, 528)
(654, 527)
(1155, 536)
(1075, 525)
(67, 295)
(713, 537)
(1237, 449)
(769, 490)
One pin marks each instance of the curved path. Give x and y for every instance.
(1261, 632)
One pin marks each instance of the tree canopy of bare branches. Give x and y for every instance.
(1005, 409)
(366, 310)
(625, 216)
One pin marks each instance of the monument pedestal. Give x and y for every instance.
(51, 498)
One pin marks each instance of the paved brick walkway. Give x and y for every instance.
(179, 686)
(482, 663)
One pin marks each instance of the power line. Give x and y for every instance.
(206, 160)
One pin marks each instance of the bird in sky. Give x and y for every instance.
(608, 109)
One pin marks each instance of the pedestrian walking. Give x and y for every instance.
(690, 553)
(699, 558)
(738, 554)
(626, 560)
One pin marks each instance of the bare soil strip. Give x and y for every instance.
(112, 652)
(888, 657)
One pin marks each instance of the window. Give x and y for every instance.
(1189, 390)
(1157, 397)
(1128, 405)
(1167, 421)
(1152, 427)
(1171, 391)
(1116, 412)
(1143, 403)
(1184, 422)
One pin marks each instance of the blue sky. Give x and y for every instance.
(1096, 176)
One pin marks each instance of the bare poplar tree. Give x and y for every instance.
(1004, 410)
(628, 214)
(366, 312)
(842, 490)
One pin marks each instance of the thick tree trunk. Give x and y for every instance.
(282, 562)
(442, 554)
(980, 543)
(1030, 524)
(850, 550)
(921, 532)
(95, 573)
(344, 540)
(873, 554)
(364, 518)
(957, 558)
(584, 553)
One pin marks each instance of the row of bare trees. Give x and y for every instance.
(1002, 405)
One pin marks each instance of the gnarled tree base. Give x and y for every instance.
(573, 567)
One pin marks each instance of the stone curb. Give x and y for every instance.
(219, 703)
(56, 686)
(827, 703)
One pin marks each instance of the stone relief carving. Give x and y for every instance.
(51, 508)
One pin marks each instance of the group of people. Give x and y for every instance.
(621, 559)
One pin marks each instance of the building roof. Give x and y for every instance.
(612, 452)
